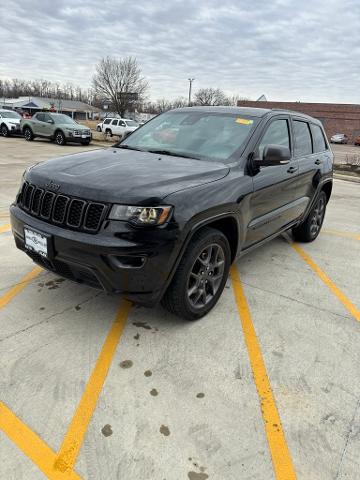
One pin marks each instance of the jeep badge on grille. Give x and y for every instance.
(51, 185)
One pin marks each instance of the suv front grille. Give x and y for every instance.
(59, 209)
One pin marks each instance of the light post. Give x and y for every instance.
(190, 86)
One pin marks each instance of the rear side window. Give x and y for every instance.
(318, 138)
(303, 145)
(114, 122)
(276, 134)
(122, 124)
(107, 121)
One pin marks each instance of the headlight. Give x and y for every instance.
(141, 215)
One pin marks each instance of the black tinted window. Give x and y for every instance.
(114, 122)
(122, 124)
(276, 134)
(303, 144)
(107, 121)
(318, 138)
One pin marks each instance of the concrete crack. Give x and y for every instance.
(347, 440)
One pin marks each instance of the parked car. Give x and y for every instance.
(357, 141)
(120, 127)
(9, 123)
(339, 138)
(162, 218)
(56, 127)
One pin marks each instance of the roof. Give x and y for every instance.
(45, 102)
(254, 112)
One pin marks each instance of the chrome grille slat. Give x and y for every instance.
(62, 210)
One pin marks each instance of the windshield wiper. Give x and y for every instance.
(173, 154)
(129, 148)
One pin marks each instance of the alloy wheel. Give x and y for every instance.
(206, 275)
(317, 216)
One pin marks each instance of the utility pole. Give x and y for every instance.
(190, 86)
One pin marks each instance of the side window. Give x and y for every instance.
(39, 117)
(276, 134)
(107, 121)
(122, 124)
(318, 138)
(46, 118)
(114, 122)
(303, 145)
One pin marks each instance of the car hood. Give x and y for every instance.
(12, 120)
(72, 126)
(123, 176)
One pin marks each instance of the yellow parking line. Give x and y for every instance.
(75, 435)
(329, 283)
(5, 228)
(354, 236)
(31, 445)
(10, 294)
(60, 466)
(281, 459)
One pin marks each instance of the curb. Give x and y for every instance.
(347, 178)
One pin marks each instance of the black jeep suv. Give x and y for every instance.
(163, 214)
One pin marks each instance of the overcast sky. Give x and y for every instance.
(286, 49)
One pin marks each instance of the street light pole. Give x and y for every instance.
(190, 86)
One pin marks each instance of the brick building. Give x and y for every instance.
(336, 117)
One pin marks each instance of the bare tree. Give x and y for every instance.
(114, 79)
(210, 96)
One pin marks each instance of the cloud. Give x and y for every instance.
(285, 49)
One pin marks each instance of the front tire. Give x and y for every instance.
(4, 131)
(200, 277)
(98, 129)
(310, 228)
(60, 138)
(86, 143)
(28, 134)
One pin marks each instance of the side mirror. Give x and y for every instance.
(274, 155)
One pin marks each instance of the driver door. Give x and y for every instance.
(272, 204)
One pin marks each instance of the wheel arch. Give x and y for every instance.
(327, 188)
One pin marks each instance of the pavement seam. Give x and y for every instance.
(19, 332)
(347, 317)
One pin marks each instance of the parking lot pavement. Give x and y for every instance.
(344, 152)
(265, 387)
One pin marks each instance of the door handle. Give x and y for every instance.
(292, 169)
(318, 162)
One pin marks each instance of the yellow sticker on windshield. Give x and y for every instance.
(244, 121)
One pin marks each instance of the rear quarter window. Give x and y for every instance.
(319, 141)
(303, 143)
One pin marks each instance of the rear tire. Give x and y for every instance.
(202, 272)
(98, 129)
(310, 228)
(108, 132)
(86, 143)
(4, 131)
(28, 134)
(60, 138)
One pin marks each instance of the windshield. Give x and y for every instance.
(131, 123)
(63, 119)
(196, 134)
(7, 114)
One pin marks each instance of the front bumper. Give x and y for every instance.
(14, 129)
(78, 138)
(119, 258)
